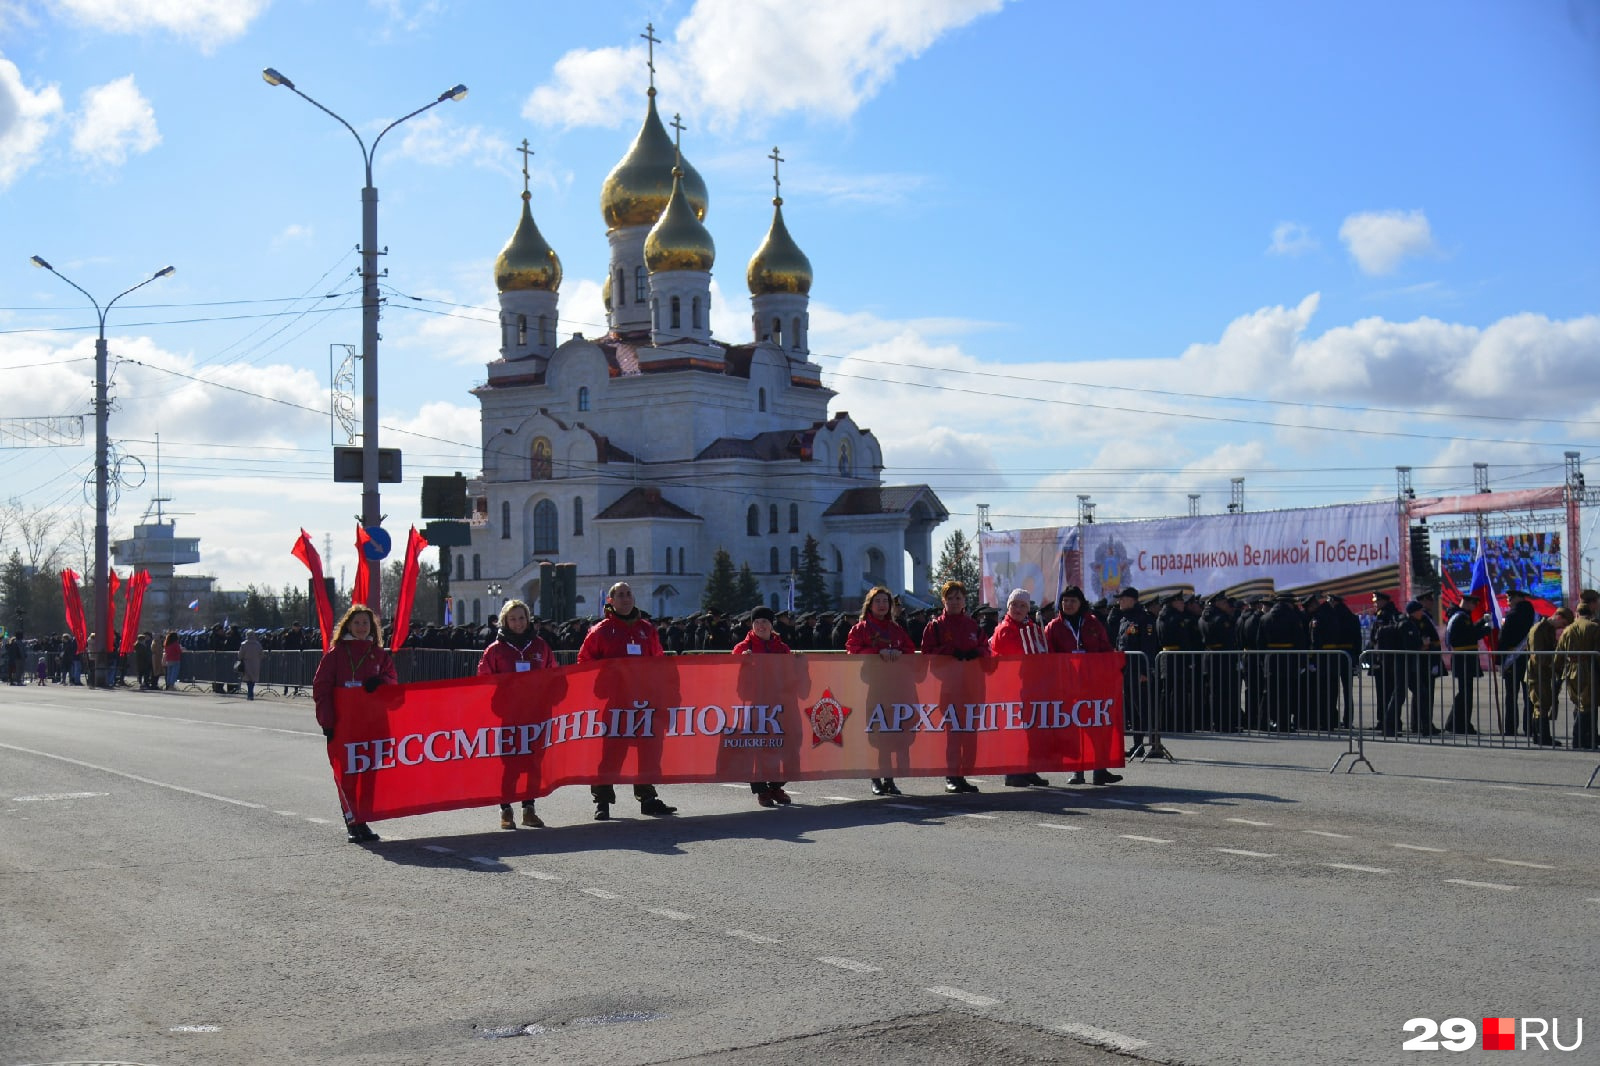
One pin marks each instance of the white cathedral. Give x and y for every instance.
(638, 454)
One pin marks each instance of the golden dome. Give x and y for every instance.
(637, 189)
(778, 265)
(678, 241)
(527, 262)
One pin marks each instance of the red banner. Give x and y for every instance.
(400, 628)
(108, 637)
(131, 610)
(307, 554)
(364, 566)
(443, 745)
(73, 601)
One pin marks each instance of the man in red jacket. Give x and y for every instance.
(621, 633)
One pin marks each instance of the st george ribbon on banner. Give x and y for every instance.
(445, 745)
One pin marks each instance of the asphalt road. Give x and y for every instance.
(175, 888)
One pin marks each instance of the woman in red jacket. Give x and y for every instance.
(877, 633)
(955, 633)
(762, 640)
(516, 650)
(354, 659)
(1019, 634)
(1075, 629)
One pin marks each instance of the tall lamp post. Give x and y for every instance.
(370, 516)
(102, 449)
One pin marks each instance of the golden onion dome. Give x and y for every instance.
(637, 189)
(778, 265)
(527, 262)
(678, 241)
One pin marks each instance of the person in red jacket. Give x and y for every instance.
(1075, 630)
(1019, 634)
(955, 633)
(621, 633)
(878, 634)
(516, 650)
(355, 659)
(762, 640)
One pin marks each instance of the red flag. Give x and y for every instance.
(73, 600)
(130, 611)
(113, 582)
(307, 554)
(400, 628)
(363, 569)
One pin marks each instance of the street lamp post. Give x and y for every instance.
(102, 451)
(370, 516)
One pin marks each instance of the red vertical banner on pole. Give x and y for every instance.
(363, 570)
(72, 600)
(108, 636)
(307, 554)
(131, 610)
(400, 627)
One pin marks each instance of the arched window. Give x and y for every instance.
(477, 612)
(461, 568)
(772, 560)
(694, 312)
(761, 399)
(772, 518)
(777, 331)
(545, 527)
(505, 520)
(583, 397)
(795, 339)
(539, 467)
(752, 521)
(611, 562)
(844, 460)
(794, 518)
(669, 560)
(677, 313)
(522, 329)
(639, 285)
(680, 562)
(794, 559)
(630, 561)
(577, 516)
(477, 568)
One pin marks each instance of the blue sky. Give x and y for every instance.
(1129, 250)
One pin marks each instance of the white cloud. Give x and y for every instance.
(734, 60)
(434, 140)
(25, 120)
(206, 22)
(115, 119)
(1379, 240)
(294, 233)
(1291, 238)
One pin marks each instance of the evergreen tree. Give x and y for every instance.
(749, 590)
(811, 585)
(957, 562)
(721, 594)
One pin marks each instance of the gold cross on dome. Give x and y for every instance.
(649, 35)
(526, 152)
(677, 139)
(777, 186)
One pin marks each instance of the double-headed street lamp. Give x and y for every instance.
(102, 537)
(370, 516)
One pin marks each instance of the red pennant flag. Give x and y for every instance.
(307, 554)
(130, 611)
(108, 639)
(363, 569)
(73, 601)
(401, 627)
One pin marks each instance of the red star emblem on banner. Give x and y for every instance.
(827, 717)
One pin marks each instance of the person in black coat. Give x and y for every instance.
(1219, 636)
(1464, 634)
(1514, 667)
(1283, 632)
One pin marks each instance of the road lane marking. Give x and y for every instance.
(1103, 1037)
(538, 875)
(195, 1029)
(1510, 788)
(1247, 821)
(438, 849)
(1325, 833)
(1519, 862)
(227, 725)
(1124, 803)
(600, 893)
(46, 797)
(906, 806)
(136, 777)
(1058, 825)
(483, 860)
(1420, 847)
(1147, 840)
(754, 938)
(1585, 795)
(725, 784)
(1173, 810)
(970, 998)
(677, 916)
(1248, 854)
(848, 964)
(842, 799)
(288, 814)
(1480, 884)
(319, 821)
(990, 817)
(1357, 869)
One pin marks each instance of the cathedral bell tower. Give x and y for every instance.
(528, 276)
(779, 277)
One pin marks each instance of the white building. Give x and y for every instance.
(639, 453)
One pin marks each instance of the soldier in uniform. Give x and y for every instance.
(1344, 636)
(1542, 677)
(1283, 630)
(1254, 665)
(1136, 634)
(1219, 636)
(1172, 642)
(1388, 669)
(1464, 635)
(1322, 671)
(1514, 667)
(1579, 648)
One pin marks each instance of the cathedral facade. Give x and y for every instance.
(638, 454)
